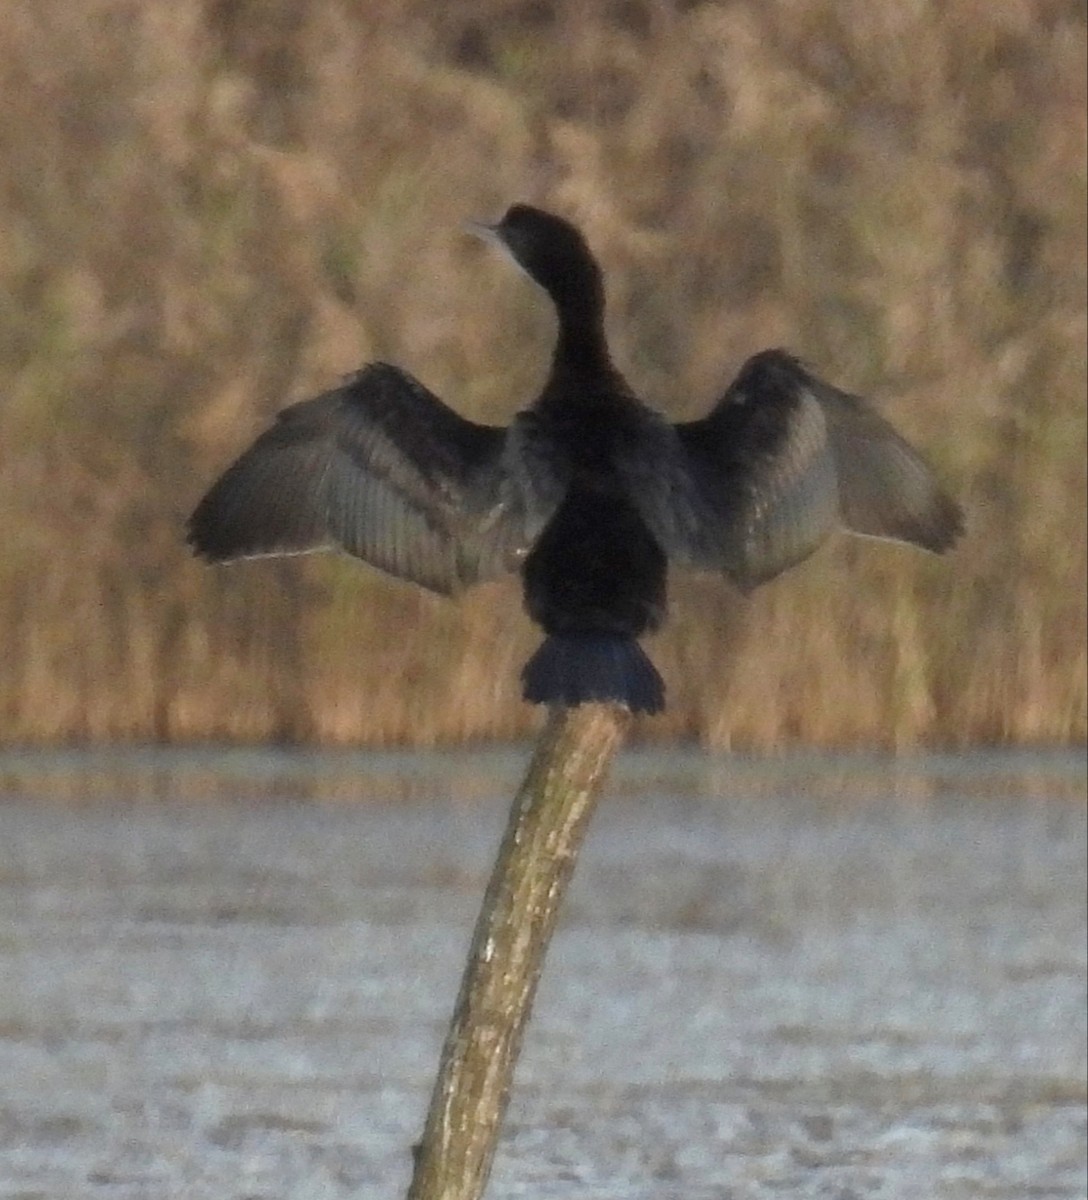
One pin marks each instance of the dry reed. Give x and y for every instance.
(210, 209)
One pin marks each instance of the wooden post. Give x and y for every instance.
(547, 824)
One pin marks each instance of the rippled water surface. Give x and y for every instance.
(227, 977)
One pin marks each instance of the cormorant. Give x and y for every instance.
(588, 493)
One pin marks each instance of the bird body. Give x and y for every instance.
(589, 493)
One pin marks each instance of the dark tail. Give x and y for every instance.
(593, 668)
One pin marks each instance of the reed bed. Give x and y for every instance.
(209, 210)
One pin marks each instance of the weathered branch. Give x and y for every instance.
(547, 824)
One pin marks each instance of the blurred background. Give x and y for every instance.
(212, 208)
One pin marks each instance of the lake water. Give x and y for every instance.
(226, 976)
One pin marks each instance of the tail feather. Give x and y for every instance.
(573, 669)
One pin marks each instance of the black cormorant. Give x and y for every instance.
(589, 493)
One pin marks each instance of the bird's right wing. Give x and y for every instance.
(781, 461)
(381, 469)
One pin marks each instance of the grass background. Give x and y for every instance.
(210, 209)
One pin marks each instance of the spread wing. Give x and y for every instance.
(781, 461)
(381, 469)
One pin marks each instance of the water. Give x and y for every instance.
(813, 977)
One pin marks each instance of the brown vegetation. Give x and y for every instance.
(212, 207)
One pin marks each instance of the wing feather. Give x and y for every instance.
(781, 461)
(381, 469)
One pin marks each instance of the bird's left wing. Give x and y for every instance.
(382, 469)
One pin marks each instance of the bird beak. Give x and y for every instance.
(492, 235)
(483, 231)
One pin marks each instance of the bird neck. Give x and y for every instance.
(581, 343)
(582, 373)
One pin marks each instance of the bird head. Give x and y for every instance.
(550, 250)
